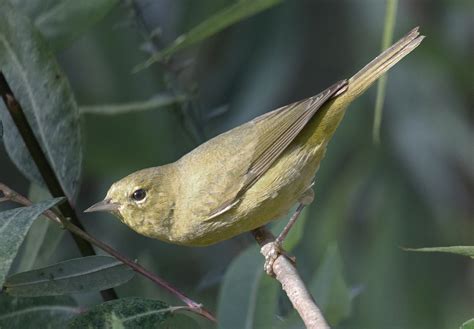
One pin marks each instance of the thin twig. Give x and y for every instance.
(286, 273)
(45, 169)
(195, 307)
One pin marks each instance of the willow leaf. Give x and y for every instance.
(14, 224)
(43, 91)
(71, 276)
(226, 17)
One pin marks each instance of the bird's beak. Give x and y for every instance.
(104, 205)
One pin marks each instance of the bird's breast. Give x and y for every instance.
(271, 197)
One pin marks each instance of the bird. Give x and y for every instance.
(248, 176)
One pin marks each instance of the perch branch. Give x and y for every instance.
(286, 273)
(9, 194)
(45, 169)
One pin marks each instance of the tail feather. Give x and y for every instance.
(382, 63)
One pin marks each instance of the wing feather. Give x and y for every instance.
(265, 138)
(287, 124)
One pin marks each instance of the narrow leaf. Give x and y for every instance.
(156, 102)
(14, 224)
(390, 17)
(42, 238)
(459, 250)
(67, 20)
(40, 244)
(72, 276)
(254, 298)
(42, 312)
(34, 240)
(265, 313)
(44, 93)
(228, 16)
(330, 289)
(130, 312)
(469, 324)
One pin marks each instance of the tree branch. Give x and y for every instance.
(9, 194)
(286, 273)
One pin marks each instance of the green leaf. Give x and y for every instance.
(266, 306)
(40, 244)
(132, 312)
(390, 18)
(63, 21)
(156, 102)
(226, 17)
(32, 244)
(42, 238)
(254, 296)
(67, 20)
(469, 324)
(458, 250)
(44, 93)
(71, 276)
(33, 8)
(14, 224)
(114, 322)
(329, 288)
(42, 312)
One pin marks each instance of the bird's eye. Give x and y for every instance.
(139, 195)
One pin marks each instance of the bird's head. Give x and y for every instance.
(143, 200)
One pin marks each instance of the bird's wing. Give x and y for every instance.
(245, 153)
(279, 128)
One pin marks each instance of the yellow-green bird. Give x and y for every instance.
(247, 176)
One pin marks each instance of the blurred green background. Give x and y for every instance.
(415, 189)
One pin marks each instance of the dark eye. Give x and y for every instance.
(139, 195)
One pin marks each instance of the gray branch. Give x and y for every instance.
(291, 282)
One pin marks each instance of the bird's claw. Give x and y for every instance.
(271, 251)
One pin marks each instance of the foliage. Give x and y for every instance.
(44, 92)
(468, 324)
(236, 12)
(131, 312)
(40, 312)
(254, 296)
(14, 225)
(458, 250)
(71, 276)
(390, 18)
(331, 290)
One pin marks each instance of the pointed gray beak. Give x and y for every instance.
(104, 205)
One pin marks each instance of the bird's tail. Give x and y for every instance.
(381, 64)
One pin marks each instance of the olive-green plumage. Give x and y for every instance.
(248, 176)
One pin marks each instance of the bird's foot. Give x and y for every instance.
(271, 251)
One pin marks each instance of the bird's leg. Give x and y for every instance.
(274, 249)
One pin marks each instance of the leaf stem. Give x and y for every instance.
(45, 169)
